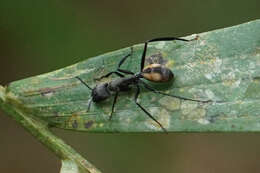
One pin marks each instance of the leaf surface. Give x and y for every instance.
(221, 65)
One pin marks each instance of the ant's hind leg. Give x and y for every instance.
(147, 113)
(179, 97)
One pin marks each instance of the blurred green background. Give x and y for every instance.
(41, 36)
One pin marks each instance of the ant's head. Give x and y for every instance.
(100, 92)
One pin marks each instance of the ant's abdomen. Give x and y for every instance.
(157, 73)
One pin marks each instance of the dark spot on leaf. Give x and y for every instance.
(88, 124)
(233, 126)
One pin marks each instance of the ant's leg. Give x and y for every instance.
(157, 39)
(136, 96)
(118, 68)
(179, 97)
(124, 58)
(90, 101)
(110, 73)
(89, 104)
(122, 61)
(84, 83)
(125, 71)
(114, 102)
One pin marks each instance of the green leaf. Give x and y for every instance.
(68, 166)
(71, 160)
(221, 65)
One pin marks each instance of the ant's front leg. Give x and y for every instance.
(118, 68)
(122, 61)
(113, 106)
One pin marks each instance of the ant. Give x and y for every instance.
(152, 72)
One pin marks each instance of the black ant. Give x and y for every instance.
(153, 72)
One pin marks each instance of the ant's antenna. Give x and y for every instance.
(83, 82)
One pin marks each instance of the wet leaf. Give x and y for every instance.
(221, 65)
